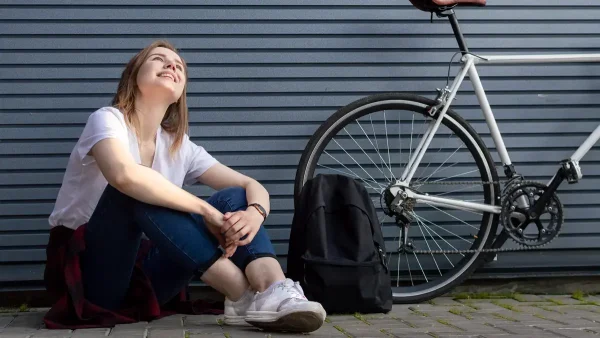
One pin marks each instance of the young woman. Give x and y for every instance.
(122, 185)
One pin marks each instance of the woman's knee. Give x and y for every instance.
(260, 246)
(230, 199)
(178, 235)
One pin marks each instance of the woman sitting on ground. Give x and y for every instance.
(123, 185)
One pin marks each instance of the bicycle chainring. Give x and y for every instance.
(518, 201)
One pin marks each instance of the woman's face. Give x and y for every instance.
(162, 75)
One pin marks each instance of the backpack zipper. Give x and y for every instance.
(382, 257)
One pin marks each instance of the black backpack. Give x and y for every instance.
(336, 248)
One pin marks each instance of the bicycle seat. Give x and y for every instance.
(438, 5)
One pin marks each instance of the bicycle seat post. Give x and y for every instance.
(462, 44)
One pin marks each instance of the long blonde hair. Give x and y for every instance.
(176, 118)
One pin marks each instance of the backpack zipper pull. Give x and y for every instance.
(382, 257)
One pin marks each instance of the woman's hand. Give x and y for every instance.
(215, 223)
(241, 223)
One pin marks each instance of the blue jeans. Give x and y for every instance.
(182, 246)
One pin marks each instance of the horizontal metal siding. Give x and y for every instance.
(266, 74)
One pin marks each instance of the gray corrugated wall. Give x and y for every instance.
(265, 74)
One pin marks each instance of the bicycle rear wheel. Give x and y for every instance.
(371, 140)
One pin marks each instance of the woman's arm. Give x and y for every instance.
(146, 185)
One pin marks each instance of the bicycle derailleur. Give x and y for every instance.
(400, 204)
(525, 216)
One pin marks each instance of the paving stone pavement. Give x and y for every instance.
(519, 316)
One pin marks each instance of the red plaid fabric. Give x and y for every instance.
(71, 310)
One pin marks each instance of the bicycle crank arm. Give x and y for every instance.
(570, 171)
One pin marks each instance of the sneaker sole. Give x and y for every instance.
(301, 321)
(235, 321)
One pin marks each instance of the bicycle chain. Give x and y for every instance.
(460, 252)
(468, 251)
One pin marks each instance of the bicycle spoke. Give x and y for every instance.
(351, 171)
(390, 254)
(434, 241)
(422, 183)
(446, 160)
(450, 166)
(387, 139)
(375, 147)
(361, 148)
(353, 159)
(419, 262)
(376, 143)
(429, 163)
(457, 190)
(398, 269)
(409, 272)
(450, 245)
(450, 232)
(428, 247)
(456, 218)
(382, 220)
(466, 173)
(430, 229)
(381, 187)
(412, 129)
(348, 174)
(433, 238)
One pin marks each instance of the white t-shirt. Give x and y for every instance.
(83, 183)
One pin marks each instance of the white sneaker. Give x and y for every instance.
(235, 312)
(284, 307)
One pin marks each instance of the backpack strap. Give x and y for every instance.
(297, 242)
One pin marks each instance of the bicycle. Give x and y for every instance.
(447, 234)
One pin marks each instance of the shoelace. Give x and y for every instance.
(293, 288)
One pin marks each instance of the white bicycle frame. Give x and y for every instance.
(469, 62)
